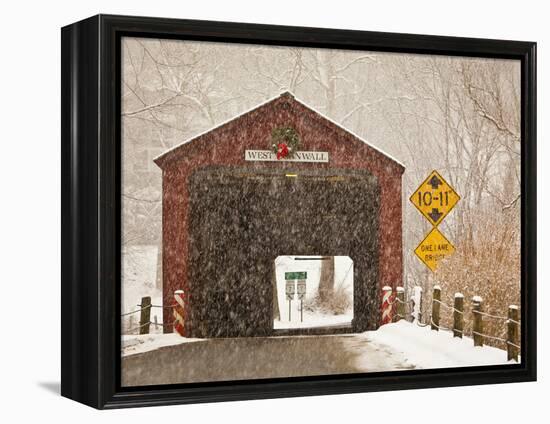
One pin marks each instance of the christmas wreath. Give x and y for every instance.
(285, 142)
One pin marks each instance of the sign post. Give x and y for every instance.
(290, 278)
(289, 296)
(434, 198)
(301, 296)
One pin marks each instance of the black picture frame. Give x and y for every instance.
(91, 205)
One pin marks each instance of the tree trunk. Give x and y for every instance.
(326, 280)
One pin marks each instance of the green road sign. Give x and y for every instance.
(302, 275)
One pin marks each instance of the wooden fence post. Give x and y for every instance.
(436, 306)
(420, 298)
(477, 320)
(513, 333)
(400, 303)
(458, 315)
(145, 316)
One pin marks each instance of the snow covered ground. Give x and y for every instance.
(422, 347)
(312, 320)
(397, 346)
(146, 342)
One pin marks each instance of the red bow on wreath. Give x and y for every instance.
(282, 151)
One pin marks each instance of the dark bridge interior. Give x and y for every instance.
(241, 219)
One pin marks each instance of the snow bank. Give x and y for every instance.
(146, 342)
(424, 348)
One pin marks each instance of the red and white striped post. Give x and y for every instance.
(386, 305)
(179, 308)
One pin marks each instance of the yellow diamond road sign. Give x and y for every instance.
(435, 198)
(433, 249)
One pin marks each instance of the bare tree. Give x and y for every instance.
(457, 115)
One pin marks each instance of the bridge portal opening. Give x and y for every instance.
(313, 292)
(239, 216)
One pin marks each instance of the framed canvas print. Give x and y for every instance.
(254, 211)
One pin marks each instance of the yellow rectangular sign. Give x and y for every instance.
(433, 249)
(435, 198)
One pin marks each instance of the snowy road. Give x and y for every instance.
(168, 358)
(259, 357)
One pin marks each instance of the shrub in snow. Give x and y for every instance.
(486, 264)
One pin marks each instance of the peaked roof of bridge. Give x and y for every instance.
(287, 94)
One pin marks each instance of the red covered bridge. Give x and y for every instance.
(230, 208)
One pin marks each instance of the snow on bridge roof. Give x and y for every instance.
(266, 102)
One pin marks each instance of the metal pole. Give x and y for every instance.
(301, 310)
(289, 309)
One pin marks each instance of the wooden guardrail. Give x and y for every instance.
(511, 322)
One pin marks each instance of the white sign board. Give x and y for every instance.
(301, 289)
(289, 290)
(269, 156)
